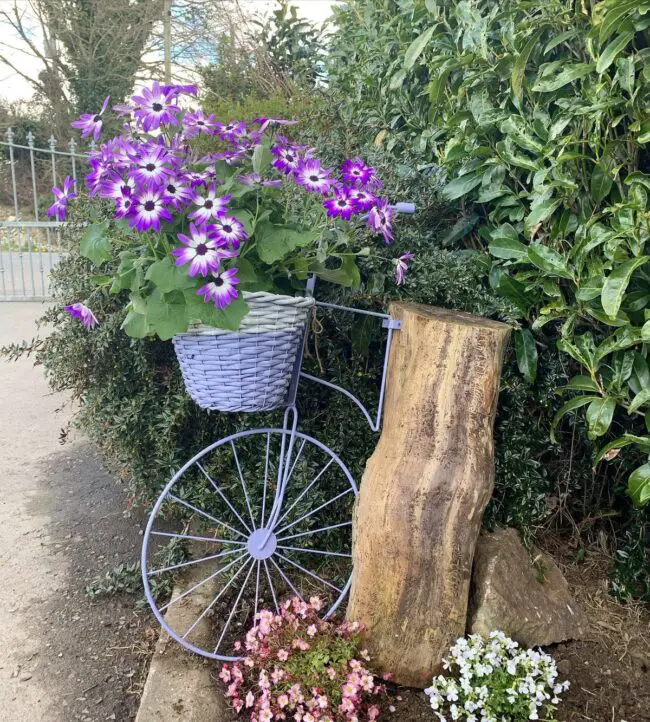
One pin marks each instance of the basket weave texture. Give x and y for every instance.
(250, 369)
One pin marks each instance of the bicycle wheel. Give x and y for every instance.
(221, 520)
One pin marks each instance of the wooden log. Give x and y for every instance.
(425, 488)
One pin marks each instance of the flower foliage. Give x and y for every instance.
(497, 681)
(256, 212)
(301, 667)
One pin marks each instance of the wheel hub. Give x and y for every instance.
(262, 544)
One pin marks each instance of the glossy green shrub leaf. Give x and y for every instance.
(611, 52)
(575, 403)
(461, 186)
(638, 485)
(416, 48)
(548, 260)
(601, 183)
(567, 75)
(616, 284)
(622, 442)
(526, 354)
(519, 66)
(582, 383)
(643, 397)
(599, 416)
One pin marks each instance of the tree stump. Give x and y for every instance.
(424, 489)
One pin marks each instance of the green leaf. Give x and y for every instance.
(397, 80)
(135, 325)
(538, 214)
(601, 183)
(640, 376)
(637, 402)
(276, 242)
(416, 48)
(611, 52)
(461, 186)
(548, 260)
(167, 276)
(167, 314)
(519, 66)
(526, 354)
(638, 177)
(623, 338)
(638, 485)
(616, 284)
(347, 274)
(582, 383)
(262, 158)
(571, 405)
(511, 289)
(621, 442)
(229, 317)
(95, 244)
(615, 15)
(508, 248)
(599, 416)
(245, 218)
(564, 77)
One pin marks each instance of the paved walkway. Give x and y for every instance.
(62, 656)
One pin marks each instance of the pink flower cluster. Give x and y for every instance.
(303, 668)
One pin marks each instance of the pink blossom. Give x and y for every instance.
(283, 655)
(250, 700)
(312, 630)
(283, 701)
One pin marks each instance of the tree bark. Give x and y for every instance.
(425, 488)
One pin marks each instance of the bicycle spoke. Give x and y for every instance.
(205, 514)
(194, 561)
(286, 579)
(257, 589)
(197, 538)
(200, 584)
(293, 466)
(268, 576)
(243, 483)
(232, 611)
(315, 551)
(311, 513)
(266, 478)
(223, 496)
(305, 491)
(311, 574)
(216, 599)
(315, 531)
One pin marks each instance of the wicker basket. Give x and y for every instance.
(249, 369)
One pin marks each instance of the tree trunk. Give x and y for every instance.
(425, 488)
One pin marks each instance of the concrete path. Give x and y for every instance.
(63, 657)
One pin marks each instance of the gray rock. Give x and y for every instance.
(529, 602)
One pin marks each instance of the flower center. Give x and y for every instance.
(200, 122)
(227, 229)
(290, 157)
(157, 107)
(171, 189)
(218, 281)
(342, 204)
(150, 167)
(97, 119)
(208, 204)
(149, 206)
(201, 249)
(314, 178)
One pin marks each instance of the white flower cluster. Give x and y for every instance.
(497, 682)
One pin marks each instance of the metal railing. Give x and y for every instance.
(30, 243)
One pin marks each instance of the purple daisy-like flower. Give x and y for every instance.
(176, 194)
(59, 208)
(91, 123)
(380, 219)
(100, 171)
(175, 90)
(200, 251)
(312, 176)
(287, 158)
(232, 131)
(123, 206)
(401, 267)
(83, 313)
(255, 179)
(117, 152)
(198, 122)
(341, 205)
(196, 178)
(355, 171)
(222, 290)
(152, 166)
(209, 205)
(155, 107)
(148, 209)
(116, 187)
(229, 230)
(266, 122)
(364, 199)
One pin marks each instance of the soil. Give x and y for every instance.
(609, 670)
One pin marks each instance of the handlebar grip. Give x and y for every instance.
(404, 207)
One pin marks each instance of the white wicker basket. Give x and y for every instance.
(249, 369)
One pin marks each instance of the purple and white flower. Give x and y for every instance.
(356, 172)
(380, 219)
(200, 251)
(91, 123)
(148, 209)
(196, 178)
(287, 159)
(59, 208)
(123, 206)
(83, 313)
(152, 166)
(255, 179)
(401, 267)
(222, 290)
(175, 90)
(176, 194)
(232, 131)
(312, 176)
(155, 107)
(116, 187)
(229, 230)
(364, 200)
(342, 205)
(209, 205)
(265, 122)
(198, 122)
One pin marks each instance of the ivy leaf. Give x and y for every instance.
(638, 485)
(416, 48)
(575, 403)
(95, 244)
(526, 354)
(616, 284)
(599, 416)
